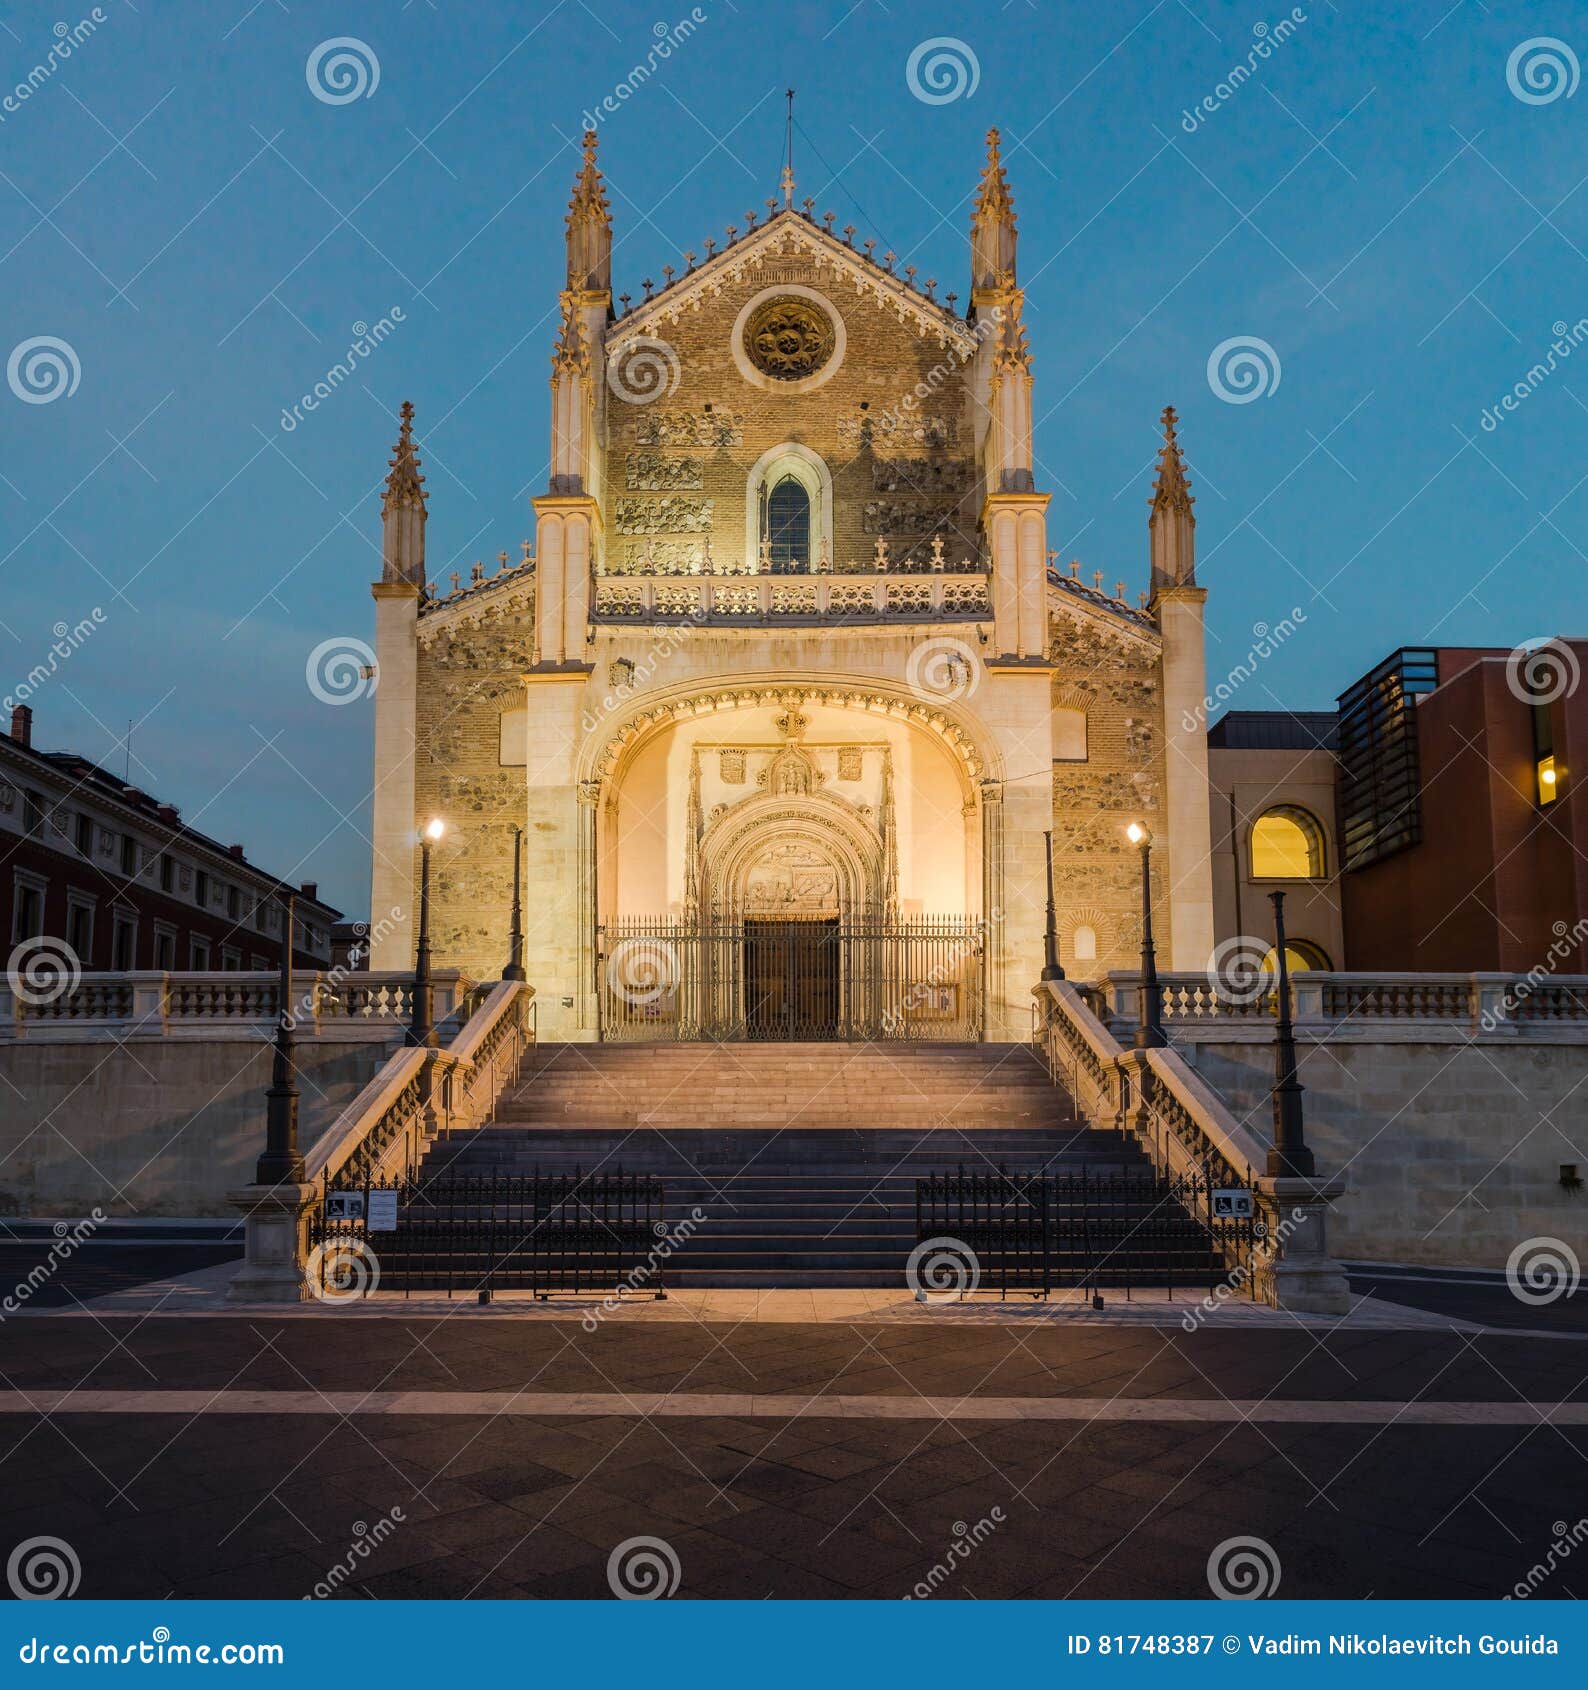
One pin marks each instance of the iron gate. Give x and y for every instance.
(793, 978)
(1090, 1228)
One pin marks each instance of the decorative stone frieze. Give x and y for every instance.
(651, 472)
(662, 516)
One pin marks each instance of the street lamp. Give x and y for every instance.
(281, 1164)
(1149, 1030)
(1050, 968)
(515, 941)
(422, 1028)
(1290, 1155)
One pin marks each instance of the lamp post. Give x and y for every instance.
(515, 940)
(1050, 967)
(1290, 1155)
(281, 1164)
(1149, 1031)
(422, 1027)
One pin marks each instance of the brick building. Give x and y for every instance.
(113, 874)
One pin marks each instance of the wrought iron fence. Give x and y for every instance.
(500, 1231)
(1121, 1230)
(792, 979)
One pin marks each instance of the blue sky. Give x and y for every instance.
(1374, 202)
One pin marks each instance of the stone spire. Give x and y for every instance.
(1172, 525)
(992, 226)
(589, 228)
(402, 509)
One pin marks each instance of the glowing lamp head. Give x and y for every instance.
(434, 828)
(1136, 834)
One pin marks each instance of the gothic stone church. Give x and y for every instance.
(790, 693)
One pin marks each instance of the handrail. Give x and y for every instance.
(418, 1090)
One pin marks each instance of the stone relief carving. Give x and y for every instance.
(662, 516)
(651, 472)
(849, 762)
(884, 516)
(892, 429)
(689, 428)
(921, 475)
(731, 767)
(788, 338)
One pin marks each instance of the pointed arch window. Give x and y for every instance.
(786, 527)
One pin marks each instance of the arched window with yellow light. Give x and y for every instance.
(1301, 956)
(1287, 844)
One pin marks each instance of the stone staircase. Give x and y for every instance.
(802, 1158)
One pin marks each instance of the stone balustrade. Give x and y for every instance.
(1376, 1008)
(333, 1004)
(824, 600)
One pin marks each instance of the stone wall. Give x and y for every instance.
(1452, 1149)
(154, 1127)
(1112, 674)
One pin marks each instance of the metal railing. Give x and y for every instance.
(476, 1233)
(1124, 1229)
(919, 980)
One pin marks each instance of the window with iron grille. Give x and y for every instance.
(1380, 772)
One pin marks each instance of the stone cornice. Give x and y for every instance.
(1091, 609)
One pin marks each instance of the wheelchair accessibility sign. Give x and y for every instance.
(1233, 1205)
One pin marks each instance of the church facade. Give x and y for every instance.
(781, 707)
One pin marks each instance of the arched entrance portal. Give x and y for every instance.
(794, 870)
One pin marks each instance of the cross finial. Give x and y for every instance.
(787, 183)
